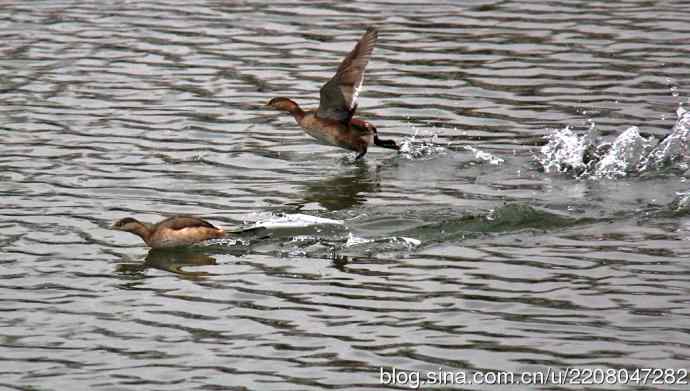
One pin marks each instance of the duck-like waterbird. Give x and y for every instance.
(332, 122)
(175, 231)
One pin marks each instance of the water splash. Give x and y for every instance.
(629, 154)
(672, 87)
(484, 156)
(674, 147)
(565, 152)
(415, 148)
(625, 155)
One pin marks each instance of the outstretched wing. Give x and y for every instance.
(339, 96)
(182, 222)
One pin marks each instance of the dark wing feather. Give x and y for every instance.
(339, 95)
(182, 222)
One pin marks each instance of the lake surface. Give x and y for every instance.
(460, 254)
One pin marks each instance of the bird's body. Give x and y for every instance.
(175, 231)
(355, 136)
(333, 123)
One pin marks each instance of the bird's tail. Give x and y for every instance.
(390, 144)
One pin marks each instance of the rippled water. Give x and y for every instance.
(460, 253)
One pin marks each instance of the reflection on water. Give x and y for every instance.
(174, 261)
(459, 253)
(345, 190)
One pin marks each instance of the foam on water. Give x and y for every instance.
(273, 221)
(353, 240)
(484, 156)
(230, 242)
(410, 243)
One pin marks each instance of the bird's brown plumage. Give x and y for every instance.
(339, 95)
(181, 222)
(174, 231)
(333, 122)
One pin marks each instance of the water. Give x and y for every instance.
(461, 253)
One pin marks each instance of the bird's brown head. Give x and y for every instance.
(127, 224)
(283, 104)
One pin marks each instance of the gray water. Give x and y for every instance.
(439, 258)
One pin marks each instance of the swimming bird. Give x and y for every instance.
(332, 122)
(174, 231)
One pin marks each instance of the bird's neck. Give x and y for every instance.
(143, 230)
(297, 112)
